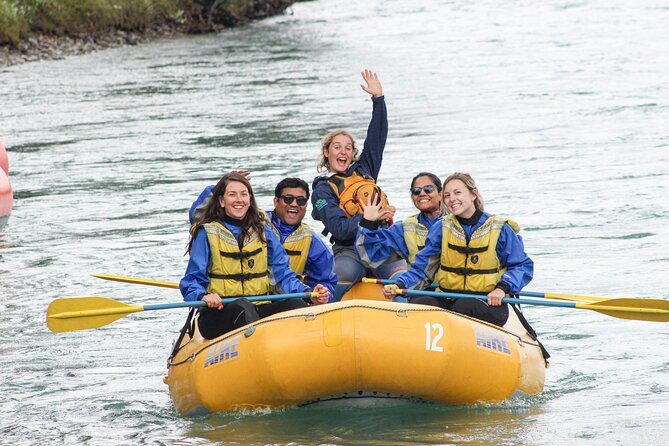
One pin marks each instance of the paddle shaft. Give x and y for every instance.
(137, 308)
(588, 299)
(507, 300)
(137, 280)
(620, 308)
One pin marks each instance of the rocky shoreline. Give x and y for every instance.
(44, 46)
(48, 47)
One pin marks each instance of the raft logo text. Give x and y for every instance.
(222, 352)
(491, 340)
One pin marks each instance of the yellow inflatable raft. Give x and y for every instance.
(352, 349)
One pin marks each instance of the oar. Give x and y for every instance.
(569, 297)
(137, 280)
(623, 308)
(82, 313)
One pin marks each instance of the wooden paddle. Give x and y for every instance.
(654, 310)
(82, 313)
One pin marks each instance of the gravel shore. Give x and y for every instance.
(49, 47)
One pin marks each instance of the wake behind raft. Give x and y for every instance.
(362, 347)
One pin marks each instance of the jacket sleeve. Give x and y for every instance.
(376, 246)
(375, 142)
(194, 283)
(279, 266)
(511, 253)
(199, 204)
(424, 267)
(326, 209)
(320, 263)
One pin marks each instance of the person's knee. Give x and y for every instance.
(388, 270)
(480, 310)
(469, 307)
(348, 270)
(243, 312)
(423, 300)
(293, 304)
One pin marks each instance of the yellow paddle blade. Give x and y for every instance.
(137, 280)
(82, 313)
(654, 310)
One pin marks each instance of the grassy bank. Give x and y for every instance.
(19, 19)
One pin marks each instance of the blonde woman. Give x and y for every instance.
(470, 251)
(349, 179)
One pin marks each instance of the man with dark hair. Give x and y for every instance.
(310, 258)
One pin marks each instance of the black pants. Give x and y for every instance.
(475, 308)
(213, 322)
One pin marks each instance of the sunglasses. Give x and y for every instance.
(288, 199)
(428, 188)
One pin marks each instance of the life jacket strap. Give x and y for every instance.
(241, 277)
(529, 329)
(240, 255)
(468, 271)
(467, 249)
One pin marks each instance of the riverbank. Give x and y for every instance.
(30, 32)
(40, 46)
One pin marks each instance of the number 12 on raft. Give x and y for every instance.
(486, 339)
(431, 343)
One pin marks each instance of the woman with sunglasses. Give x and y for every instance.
(349, 178)
(405, 238)
(471, 251)
(234, 252)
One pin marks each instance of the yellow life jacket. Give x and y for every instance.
(353, 188)
(471, 266)
(297, 247)
(234, 271)
(415, 234)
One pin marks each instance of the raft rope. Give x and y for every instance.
(312, 316)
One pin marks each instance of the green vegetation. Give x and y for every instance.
(20, 18)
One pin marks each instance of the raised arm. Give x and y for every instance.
(377, 132)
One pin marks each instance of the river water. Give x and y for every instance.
(559, 109)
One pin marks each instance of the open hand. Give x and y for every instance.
(371, 210)
(373, 83)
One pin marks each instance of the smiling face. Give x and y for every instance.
(235, 200)
(339, 153)
(458, 199)
(290, 214)
(424, 202)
